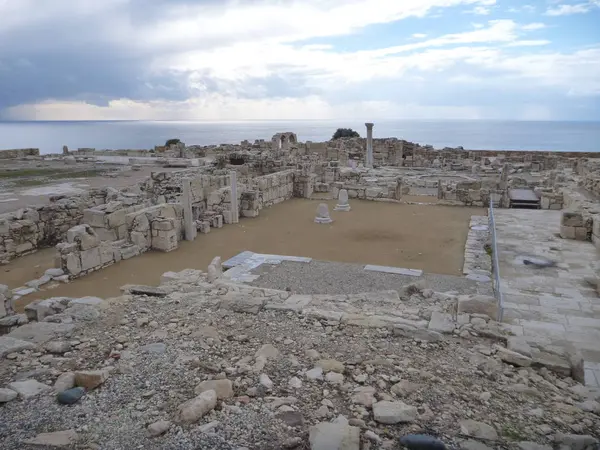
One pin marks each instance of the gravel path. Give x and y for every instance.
(323, 277)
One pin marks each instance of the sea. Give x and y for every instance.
(50, 136)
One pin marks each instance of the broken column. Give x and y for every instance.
(235, 217)
(343, 204)
(189, 226)
(369, 156)
(323, 214)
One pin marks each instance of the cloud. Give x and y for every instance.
(236, 59)
(480, 10)
(565, 10)
(533, 26)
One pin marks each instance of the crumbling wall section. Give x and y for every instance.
(29, 229)
(18, 153)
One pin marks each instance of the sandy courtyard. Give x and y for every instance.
(427, 237)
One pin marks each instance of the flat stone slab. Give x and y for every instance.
(396, 270)
(41, 332)
(241, 265)
(150, 291)
(10, 344)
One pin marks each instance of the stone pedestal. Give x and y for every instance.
(369, 155)
(323, 214)
(343, 204)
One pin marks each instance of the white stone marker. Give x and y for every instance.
(235, 216)
(343, 204)
(188, 221)
(369, 155)
(323, 214)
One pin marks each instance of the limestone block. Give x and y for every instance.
(24, 247)
(73, 264)
(163, 224)
(567, 232)
(122, 232)
(116, 219)
(478, 304)
(166, 241)
(84, 235)
(130, 251)
(106, 234)
(106, 253)
(141, 239)
(581, 233)
(572, 219)
(90, 259)
(94, 218)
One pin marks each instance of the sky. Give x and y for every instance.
(221, 60)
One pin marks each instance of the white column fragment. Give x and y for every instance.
(234, 198)
(188, 220)
(369, 155)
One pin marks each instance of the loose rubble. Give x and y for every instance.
(207, 376)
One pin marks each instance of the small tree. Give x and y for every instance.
(172, 142)
(344, 133)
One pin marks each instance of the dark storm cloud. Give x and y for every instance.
(78, 58)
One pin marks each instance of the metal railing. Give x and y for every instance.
(495, 265)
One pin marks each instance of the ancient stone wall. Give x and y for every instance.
(26, 230)
(156, 227)
(19, 153)
(266, 191)
(474, 193)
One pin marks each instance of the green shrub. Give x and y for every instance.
(344, 133)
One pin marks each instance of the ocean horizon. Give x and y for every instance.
(50, 136)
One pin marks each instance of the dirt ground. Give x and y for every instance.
(428, 237)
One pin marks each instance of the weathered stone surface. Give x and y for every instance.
(526, 445)
(41, 332)
(576, 441)
(478, 304)
(223, 388)
(91, 379)
(331, 365)
(420, 334)
(158, 428)
(29, 388)
(243, 304)
(58, 347)
(514, 358)
(7, 395)
(64, 381)
(10, 344)
(441, 322)
(519, 345)
(70, 396)
(478, 430)
(193, 410)
(337, 435)
(422, 442)
(55, 439)
(405, 387)
(394, 412)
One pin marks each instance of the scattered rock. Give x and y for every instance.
(519, 345)
(29, 388)
(295, 383)
(336, 435)
(57, 347)
(91, 379)
(404, 388)
(331, 365)
(478, 430)
(193, 410)
(315, 374)
(64, 381)
(291, 418)
(422, 442)
(223, 388)
(7, 395)
(158, 428)
(393, 412)
(334, 378)
(70, 396)
(56, 439)
(266, 382)
(157, 348)
(514, 358)
(12, 345)
(526, 445)
(576, 441)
